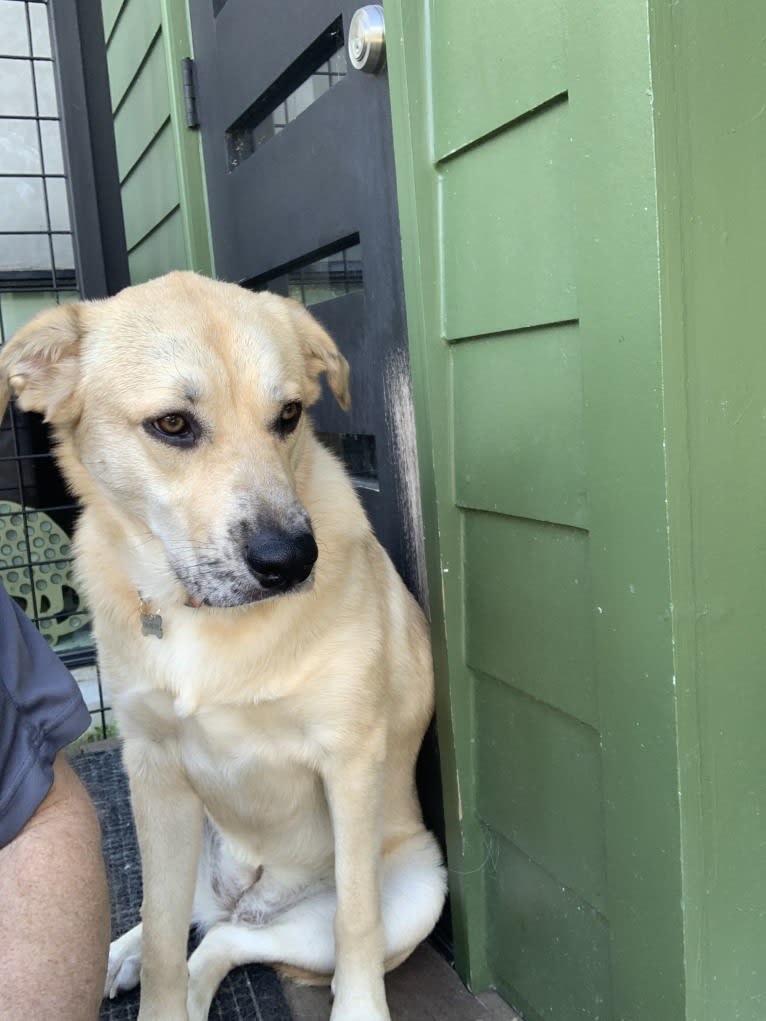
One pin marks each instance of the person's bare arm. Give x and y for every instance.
(54, 921)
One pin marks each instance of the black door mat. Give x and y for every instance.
(252, 993)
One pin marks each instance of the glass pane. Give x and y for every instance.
(22, 203)
(16, 95)
(53, 156)
(262, 122)
(24, 252)
(305, 95)
(357, 452)
(41, 36)
(58, 208)
(14, 40)
(309, 91)
(326, 278)
(63, 252)
(337, 64)
(19, 148)
(47, 103)
(278, 119)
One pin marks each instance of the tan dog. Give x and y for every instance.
(270, 673)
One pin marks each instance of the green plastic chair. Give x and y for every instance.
(43, 544)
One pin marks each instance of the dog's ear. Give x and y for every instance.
(321, 354)
(41, 364)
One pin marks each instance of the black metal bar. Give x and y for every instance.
(81, 657)
(90, 154)
(37, 280)
(28, 57)
(44, 177)
(27, 116)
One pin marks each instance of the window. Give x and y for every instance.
(35, 235)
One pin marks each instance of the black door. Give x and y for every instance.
(300, 176)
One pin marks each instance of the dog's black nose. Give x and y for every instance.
(281, 559)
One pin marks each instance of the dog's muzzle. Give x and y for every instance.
(280, 560)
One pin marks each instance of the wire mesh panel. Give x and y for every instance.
(37, 270)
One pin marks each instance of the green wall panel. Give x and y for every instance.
(539, 785)
(541, 216)
(519, 445)
(110, 10)
(549, 951)
(159, 158)
(139, 23)
(160, 252)
(527, 596)
(150, 193)
(507, 229)
(493, 76)
(17, 308)
(144, 111)
(655, 187)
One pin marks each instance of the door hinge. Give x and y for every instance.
(190, 92)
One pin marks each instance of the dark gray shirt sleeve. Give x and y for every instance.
(41, 711)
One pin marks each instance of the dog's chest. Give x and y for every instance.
(253, 768)
(249, 736)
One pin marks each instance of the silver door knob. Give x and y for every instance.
(367, 39)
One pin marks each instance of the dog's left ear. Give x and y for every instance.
(321, 354)
(41, 364)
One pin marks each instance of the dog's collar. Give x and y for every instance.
(151, 617)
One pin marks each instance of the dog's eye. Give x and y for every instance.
(288, 417)
(173, 428)
(172, 425)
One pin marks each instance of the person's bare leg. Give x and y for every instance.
(54, 921)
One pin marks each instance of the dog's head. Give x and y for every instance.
(178, 404)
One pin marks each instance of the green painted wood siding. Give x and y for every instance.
(18, 307)
(582, 199)
(505, 357)
(158, 157)
(525, 164)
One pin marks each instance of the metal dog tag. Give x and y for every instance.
(151, 623)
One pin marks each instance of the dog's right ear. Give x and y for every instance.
(41, 364)
(320, 354)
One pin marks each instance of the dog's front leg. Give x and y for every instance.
(169, 827)
(354, 786)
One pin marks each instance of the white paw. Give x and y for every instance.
(124, 970)
(122, 975)
(198, 1006)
